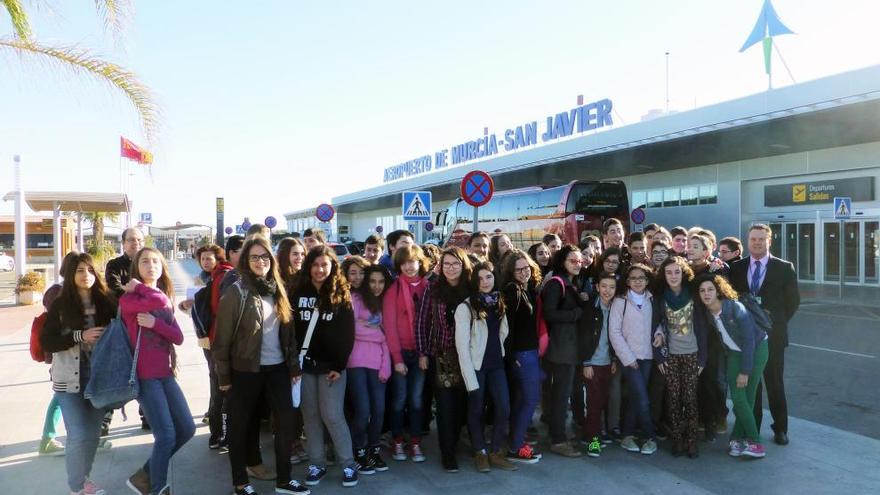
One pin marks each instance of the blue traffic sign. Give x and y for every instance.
(324, 212)
(842, 208)
(416, 206)
(429, 227)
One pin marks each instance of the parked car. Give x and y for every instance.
(7, 263)
(355, 247)
(341, 250)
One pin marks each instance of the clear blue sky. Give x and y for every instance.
(279, 105)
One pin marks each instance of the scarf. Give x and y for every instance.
(676, 302)
(405, 287)
(263, 286)
(205, 277)
(637, 298)
(489, 300)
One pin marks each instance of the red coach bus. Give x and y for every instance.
(572, 211)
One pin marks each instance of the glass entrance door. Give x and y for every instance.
(861, 251)
(795, 242)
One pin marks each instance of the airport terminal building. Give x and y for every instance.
(778, 157)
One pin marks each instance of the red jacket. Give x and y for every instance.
(217, 275)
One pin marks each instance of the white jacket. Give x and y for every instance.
(471, 337)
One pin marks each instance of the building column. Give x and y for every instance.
(56, 238)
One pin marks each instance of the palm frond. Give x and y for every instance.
(116, 14)
(81, 60)
(19, 17)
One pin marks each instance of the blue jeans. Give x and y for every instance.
(494, 383)
(639, 406)
(525, 374)
(367, 395)
(83, 424)
(406, 391)
(171, 422)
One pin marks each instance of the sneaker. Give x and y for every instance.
(605, 438)
(349, 477)
(364, 466)
(376, 459)
(736, 448)
(523, 456)
(51, 447)
(397, 451)
(417, 454)
(481, 461)
(594, 449)
(139, 482)
(754, 449)
(498, 460)
(213, 442)
(261, 472)
(224, 447)
(649, 447)
(616, 435)
(721, 426)
(298, 454)
(629, 443)
(316, 474)
(245, 490)
(292, 487)
(450, 463)
(166, 490)
(90, 488)
(565, 450)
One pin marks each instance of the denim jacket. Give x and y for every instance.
(740, 326)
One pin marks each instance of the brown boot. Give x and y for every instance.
(497, 459)
(481, 461)
(139, 482)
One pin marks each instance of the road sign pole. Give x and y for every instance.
(841, 251)
(476, 215)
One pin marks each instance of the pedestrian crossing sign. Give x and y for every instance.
(842, 208)
(417, 206)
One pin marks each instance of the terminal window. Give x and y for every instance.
(670, 197)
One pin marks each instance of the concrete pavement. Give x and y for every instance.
(820, 459)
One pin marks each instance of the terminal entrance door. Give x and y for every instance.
(796, 242)
(861, 251)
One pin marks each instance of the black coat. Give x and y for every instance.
(779, 292)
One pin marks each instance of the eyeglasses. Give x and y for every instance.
(455, 264)
(637, 279)
(256, 258)
(525, 269)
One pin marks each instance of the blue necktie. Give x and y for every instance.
(756, 279)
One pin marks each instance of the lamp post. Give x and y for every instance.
(20, 227)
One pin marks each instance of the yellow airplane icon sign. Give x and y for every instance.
(799, 193)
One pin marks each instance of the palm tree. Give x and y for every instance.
(81, 60)
(97, 219)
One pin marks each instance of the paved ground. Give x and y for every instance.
(833, 397)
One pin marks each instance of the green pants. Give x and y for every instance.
(744, 398)
(53, 416)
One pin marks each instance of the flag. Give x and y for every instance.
(767, 26)
(129, 150)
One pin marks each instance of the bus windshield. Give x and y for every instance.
(597, 198)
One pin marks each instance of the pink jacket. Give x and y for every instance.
(370, 349)
(154, 357)
(399, 324)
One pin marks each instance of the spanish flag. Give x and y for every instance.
(129, 150)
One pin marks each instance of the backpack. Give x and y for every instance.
(113, 379)
(543, 335)
(201, 312)
(759, 314)
(37, 353)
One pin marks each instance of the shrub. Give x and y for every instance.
(30, 281)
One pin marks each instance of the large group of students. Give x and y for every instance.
(637, 338)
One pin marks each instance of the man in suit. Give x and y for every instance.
(773, 282)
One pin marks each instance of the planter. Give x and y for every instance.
(29, 297)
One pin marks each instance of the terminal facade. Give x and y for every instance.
(778, 157)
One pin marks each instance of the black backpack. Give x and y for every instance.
(201, 311)
(759, 314)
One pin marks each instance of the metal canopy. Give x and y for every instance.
(74, 201)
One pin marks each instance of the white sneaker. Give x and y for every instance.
(649, 447)
(629, 443)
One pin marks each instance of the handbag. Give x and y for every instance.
(447, 369)
(296, 388)
(113, 373)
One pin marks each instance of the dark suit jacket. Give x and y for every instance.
(779, 292)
